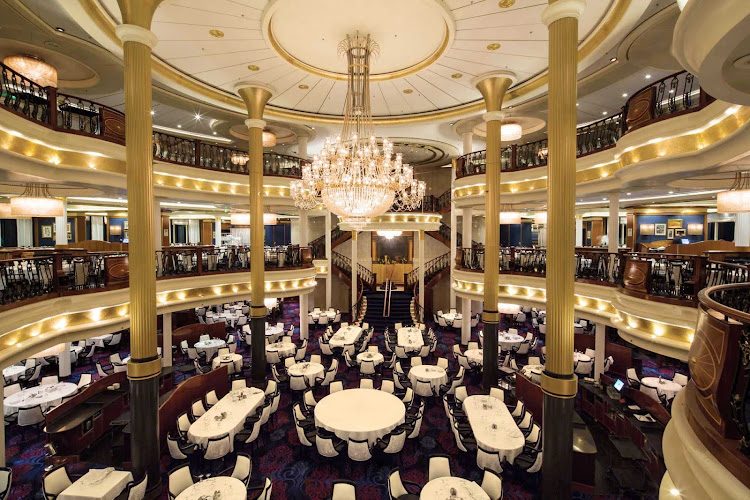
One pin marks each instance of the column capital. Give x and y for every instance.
(134, 33)
(561, 9)
(255, 95)
(493, 86)
(493, 116)
(255, 123)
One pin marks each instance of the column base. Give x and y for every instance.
(258, 350)
(557, 465)
(144, 437)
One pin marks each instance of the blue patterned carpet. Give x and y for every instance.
(298, 472)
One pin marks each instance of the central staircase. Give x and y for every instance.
(400, 310)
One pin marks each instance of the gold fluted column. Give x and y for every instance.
(145, 364)
(256, 96)
(559, 384)
(492, 87)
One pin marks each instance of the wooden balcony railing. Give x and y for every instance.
(671, 96)
(76, 115)
(37, 278)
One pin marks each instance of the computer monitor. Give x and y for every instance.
(685, 241)
(618, 385)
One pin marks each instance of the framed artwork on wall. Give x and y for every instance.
(46, 231)
(670, 234)
(680, 232)
(647, 229)
(674, 223)
(660, 229)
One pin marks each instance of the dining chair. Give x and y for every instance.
(492, 484)
(344, 490)
(179, 480)
(397, 487)
(218, 447)
(439, 466)
(179, 449)
(55, 481)
(6, 478)
(359, 450)
(243, 468)
(488, 460)
(134, 490)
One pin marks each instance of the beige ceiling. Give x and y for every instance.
(410, 33)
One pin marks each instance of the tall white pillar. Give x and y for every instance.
(599, 343)
(217, 232)
(613, 223)
(467, 138)
(61, 226)
(303, 226)
(302, 146)
(354, 272)
(454, 238)
(579, 231)
(157, 224)
(466, 228)
(329, 276)
(742, 230)
(25, 232)
(97, 227)
(304, 308)
(466, 321)
(166, 337)
(63, 362)
(2, 433)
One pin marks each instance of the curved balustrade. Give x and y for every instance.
(717, 395)
(77, 115)
(666, 277)
(671, 96)
(431, 269)
(37, 278)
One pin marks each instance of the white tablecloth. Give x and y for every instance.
(284, 349)
(98, 340)
(229, 487)
(410, 338)
(308, 369)
(435, 375)
(209, 346)
(506, 438)
(475, 356)
(667, 387)
(233, 360)
(375, 357)
(331, 315)
(97, 484)
(360, 413)
(440, 489)
(347, 335)
(12, 372)
(533, 372)
(273, 332)
(229, 318)
(507, 341)
(45, 395)
(236, 409)
(450, 317)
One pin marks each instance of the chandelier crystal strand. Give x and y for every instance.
(353, 176)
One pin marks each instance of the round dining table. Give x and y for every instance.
(274, 331)
(285, 349)
(435, 375)
(475, 356)
(360, 414)
(228, 487)
(99, 340)
(669, 388)
(508, 341)
(440, 488)
(210, 346)
(233, 360)
(12, 372)
(308, 369)
(375, 357)
(41, 395)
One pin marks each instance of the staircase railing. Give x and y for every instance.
(318, 245)
(345, 264)
(432, 268)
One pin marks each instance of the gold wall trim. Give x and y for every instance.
(210, 93)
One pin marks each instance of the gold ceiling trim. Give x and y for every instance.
(375, 77)
(210, 93)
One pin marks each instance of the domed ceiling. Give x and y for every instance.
(429, 49)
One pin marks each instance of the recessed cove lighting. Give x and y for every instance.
(613, 59)
(671, 192)
(61, 30)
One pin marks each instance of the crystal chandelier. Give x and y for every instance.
(510, 131)
(33, 68)
(410, 198)
(36, 201)
(352, 176)
(737, 198)
(239, 158)
(509, 216)
(269, 139)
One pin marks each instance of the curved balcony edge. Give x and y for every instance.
(30, 328)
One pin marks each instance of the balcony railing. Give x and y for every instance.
(432, 268)
(61, 274)
(671, 278)
(77, 115)
(672, 96)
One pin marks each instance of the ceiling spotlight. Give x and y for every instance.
(153, 112)
(604, 112)
(613, 59)
(576, 105)
(604, 199)
(628, 194)
(197, 116)
(61, 30)
(625, 94)
(648, 76)
(214, 133)
(179, 126)
(671, 192)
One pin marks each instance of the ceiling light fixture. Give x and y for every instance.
(36, 201)
(613, 59)
(61, 30)
(352, 176)
(239, 158)
(505, 308)
(648, 77)
(509, 216)
(625, 94)
(243, 219)
(33, 68)
(540, 218)
(737, 198)
(269, 139)
(389, 235)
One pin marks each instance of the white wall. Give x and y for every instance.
(438, 181)
(364, 249)
(316, 227)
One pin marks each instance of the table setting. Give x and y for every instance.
(215, 488)
(360, 414)
(210, 346)
(226, 417)
(375, 357)
(494, 427)
(308, 369)
(410, 338)
(45, 395)
(435, 375)
(346, 335)
(97, 484)
(452, 488)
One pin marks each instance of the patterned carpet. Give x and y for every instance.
(298, 472)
